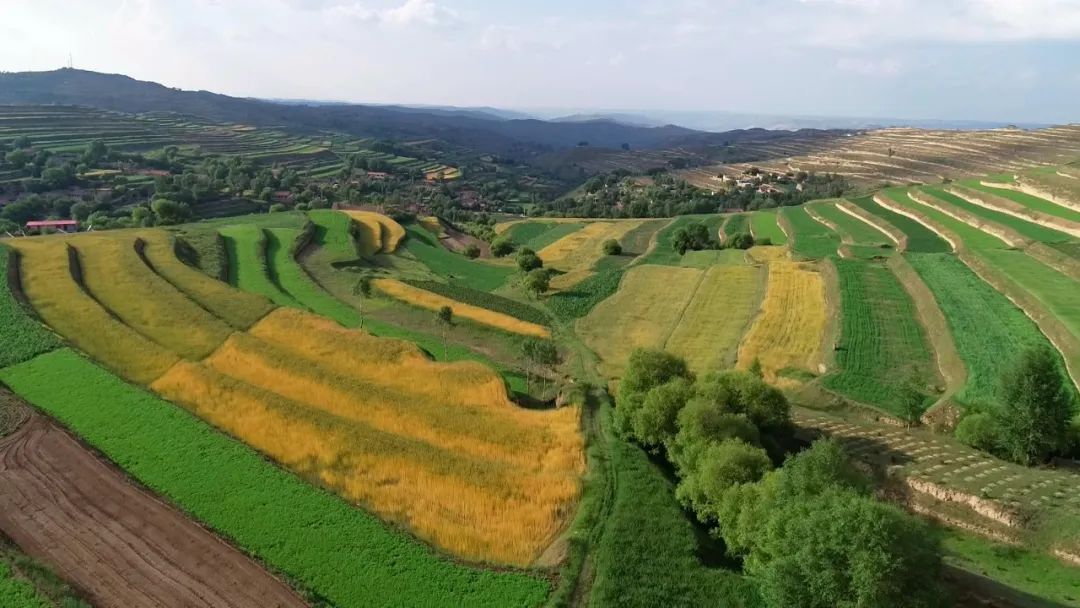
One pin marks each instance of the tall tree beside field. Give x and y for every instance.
(1037, 405)
(362, 290)
(445, 318)
(538, 353)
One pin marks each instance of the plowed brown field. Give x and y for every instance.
(116, 543)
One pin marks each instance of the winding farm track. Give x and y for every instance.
(118, 544)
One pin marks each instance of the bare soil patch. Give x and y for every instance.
(117, 543)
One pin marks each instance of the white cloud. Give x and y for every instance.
(412, 12)
(863, 66)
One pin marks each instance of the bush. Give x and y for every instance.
(612, 247)
(502, 247)
(980, 431)
(527, 260)
(472, 251)
(276, 207)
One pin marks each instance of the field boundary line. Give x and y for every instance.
(1006, 235)
(1025, 188)
(954, 241)
(1035, 217)
(845, 206)
(682, 310)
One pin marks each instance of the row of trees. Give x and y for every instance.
(810, 532)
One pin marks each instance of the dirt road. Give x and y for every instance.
(118, 544)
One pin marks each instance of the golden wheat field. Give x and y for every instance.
(642, 313)
(788, 332)
(581, 249)
(433, 301)
(60, 302)
(384, 234)
(438, 448)
(433, 225)
(717, 316)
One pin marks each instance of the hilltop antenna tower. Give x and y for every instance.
(70, 64)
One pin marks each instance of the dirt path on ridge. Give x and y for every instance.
(119, 545)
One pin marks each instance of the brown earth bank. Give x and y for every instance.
(119, 545)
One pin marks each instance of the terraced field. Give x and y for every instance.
(581, 249)
(920, 239)
(787, 334)
(263, 387)
(883, 350)
(1027, 229)
(433, 301)
(810, 239)
(763, 225)
(859, 239)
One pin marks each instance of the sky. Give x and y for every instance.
(995, 60)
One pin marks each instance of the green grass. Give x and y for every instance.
(539, 234)
(764, 226)
(451, 266)
(17, 593)
(576, 302)
(882, 346)
(855, 230)
(738, 223)
(248, 249)
(648, 554)
(989, 331)
(1026, 229)
(664, 253)
(337, 551)
(332, 234)
(811, 239)
(920, 238)
(1030, 572)
(1031, 202)
(1058, 292)
(21, 336)
(972, 237)
(636, 241)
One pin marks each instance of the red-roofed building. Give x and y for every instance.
(63, 225)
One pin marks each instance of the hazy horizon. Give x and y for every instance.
(996, 61)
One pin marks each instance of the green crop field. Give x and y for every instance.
(247, 247)
(454, 267)
(23, 337)
(971, 236)
(980, 320)
(920, 238)
(295, 527)
(1027, 571)
(1027, 229)
(536, 235)
(664, 253)
(740, 222)
(882, 346)
(764, 226)
(811, 239)
(1059, 293)
(862, 236)
(1031, 202)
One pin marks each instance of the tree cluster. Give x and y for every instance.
(1032, 424)
(810, 532)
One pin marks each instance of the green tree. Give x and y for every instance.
(502, 247)
(1037, 405)
(362, 291)
(654, 424)
(445, 319)
(755, 368)
(538, 281)
(979, 430)
(538, 353)
(646, 369)
(612, 247)
(527, 260)
(717, 468)
(472, 251)
(168, 211)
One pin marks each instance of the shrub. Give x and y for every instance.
(612, 247)
(538, 280)
(502, 247)
(979, 430)
(276, 207)
(472, 251)
(527, 260)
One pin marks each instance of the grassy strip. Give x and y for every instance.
(1026, 229)
(577, 301)
(981, 321)
(664, 251)
(764, 225)
(857, 231)
(882, 346)
(649, 554)
(486, 300)
(920, 238)
(1031, 572)
(26, 583)
(1031, 202)
(738, 223)
(1057, 291)
(247, 250)
(23, 337)
(811, 239)
(457, 268)
(973, 238)
(539, 234)
(339, 552)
